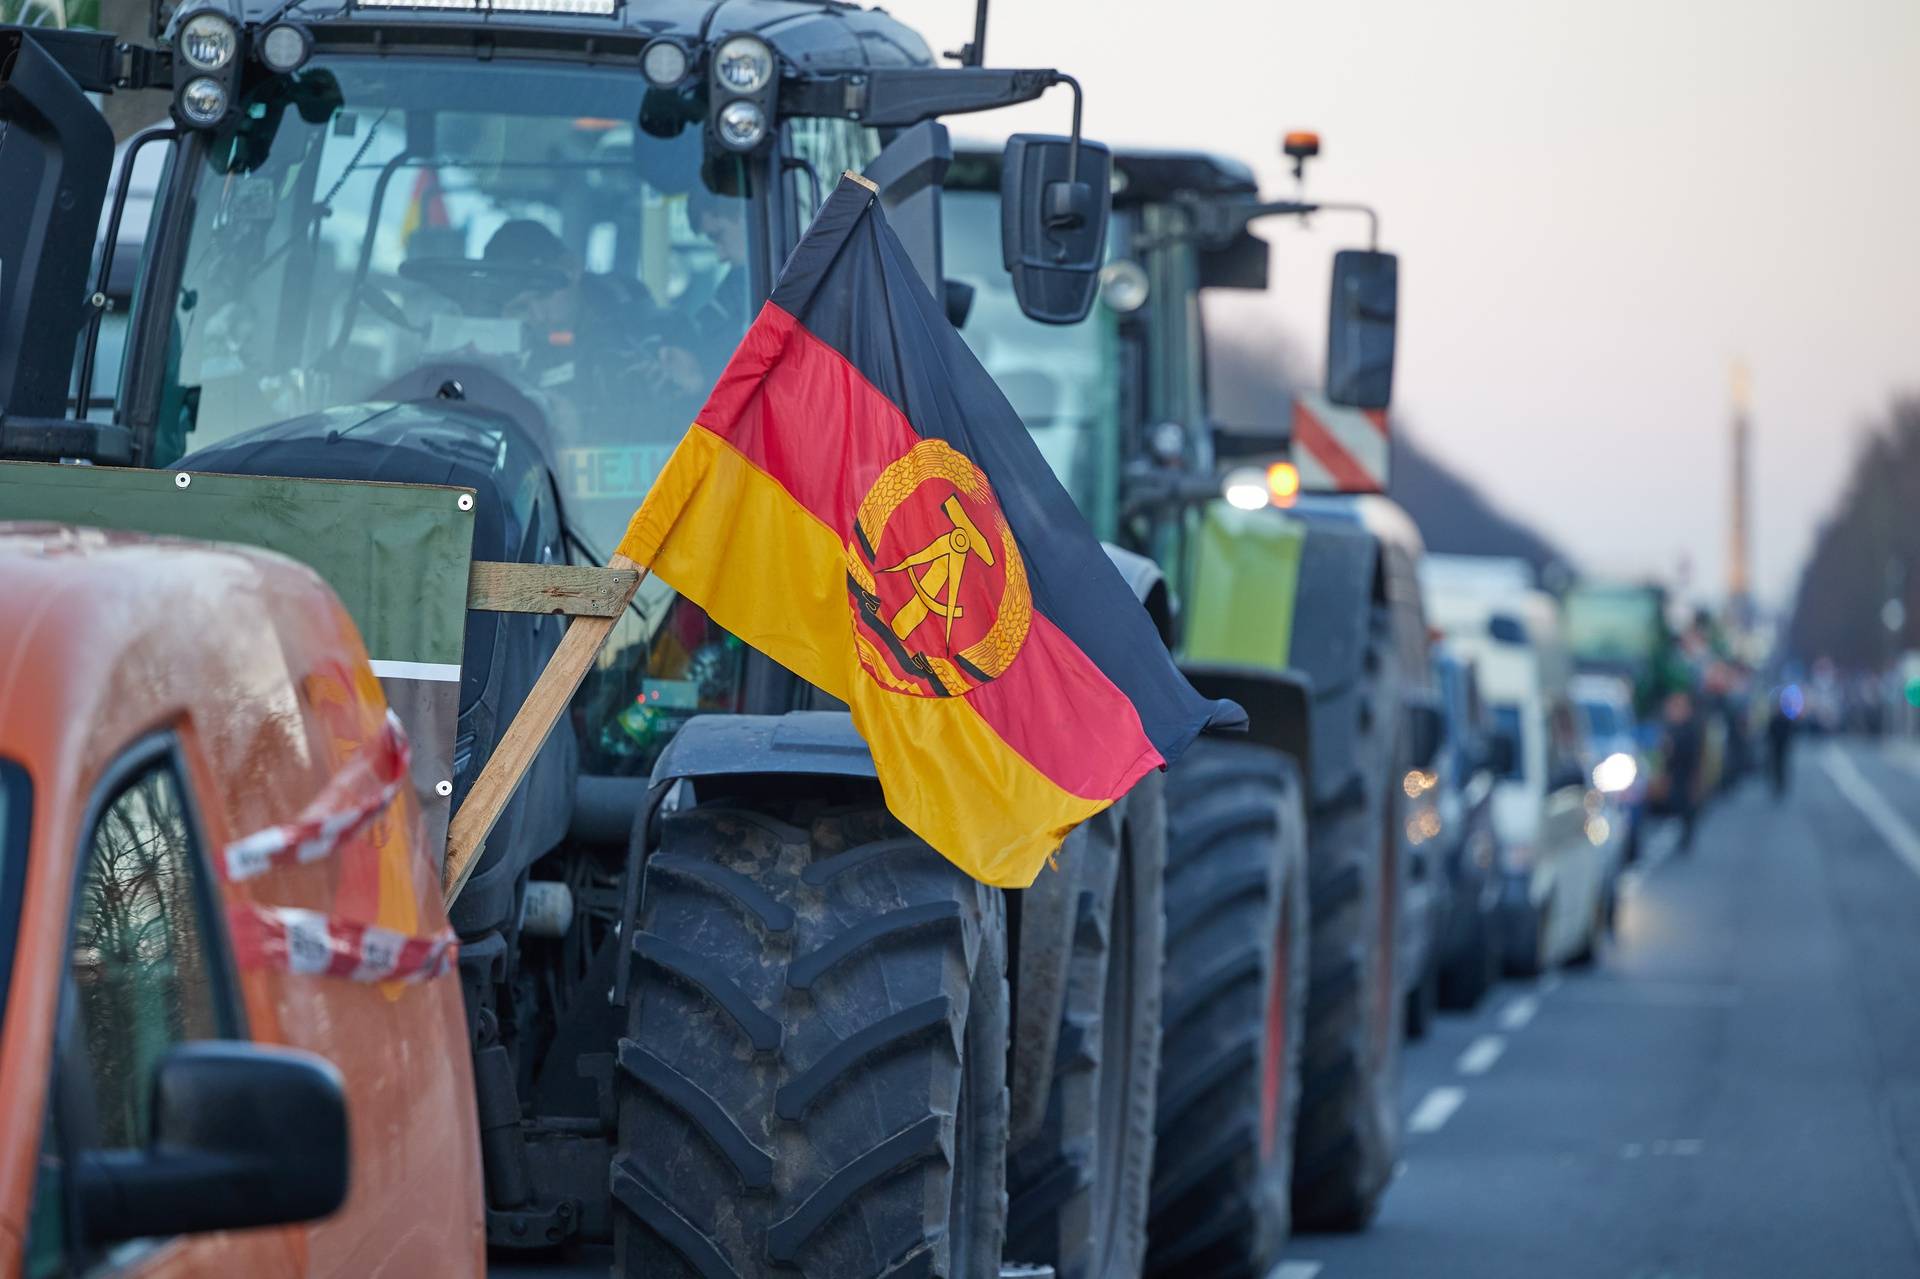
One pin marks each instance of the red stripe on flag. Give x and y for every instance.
(1312, 435)
(1061, 712)
(1378, 418)
(795, 408)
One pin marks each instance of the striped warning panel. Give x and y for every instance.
(1339, 450)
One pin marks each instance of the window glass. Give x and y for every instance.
(1603, 720)
(374, 221)
(828, 148)
(1506, 721)
(16, 795)
(1062, 379)
(141, 972)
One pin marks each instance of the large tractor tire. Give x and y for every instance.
(813, 1081)
(1348, 1134)
(1078, 1190)
(1236, 994)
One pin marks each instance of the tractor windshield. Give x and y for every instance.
(374, 222)
(1063, 380)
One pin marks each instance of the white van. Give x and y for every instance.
(1558, 853)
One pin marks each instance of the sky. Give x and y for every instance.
(1598, 207)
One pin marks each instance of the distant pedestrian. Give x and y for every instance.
(1779, 744)
(1682, 740)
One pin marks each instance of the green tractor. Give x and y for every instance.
(728, 1017)
(1287, 851)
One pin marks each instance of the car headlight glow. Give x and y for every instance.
(208, 41)
(1245, 487)
(1615, 773)
(743, 64)
(204, 100)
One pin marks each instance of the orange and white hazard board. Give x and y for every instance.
(1339, 450)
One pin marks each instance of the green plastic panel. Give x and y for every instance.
(1243, 575)
(397, 555)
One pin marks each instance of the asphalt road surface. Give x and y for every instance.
(1733, 1092)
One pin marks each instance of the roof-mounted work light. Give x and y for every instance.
(742, 76)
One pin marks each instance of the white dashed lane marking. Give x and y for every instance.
(1295, 1270)
(1435, 1109)
(1874, 807)
(1480, 1055)
(1518, 1013)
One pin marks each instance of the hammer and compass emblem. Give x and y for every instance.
(945, 560)
(943, 603)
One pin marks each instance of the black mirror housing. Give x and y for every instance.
(1053, 228)
(1425, 731)
(243, 1136)
(1361, 322)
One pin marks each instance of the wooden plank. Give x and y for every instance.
(514, 753)
(577, 590)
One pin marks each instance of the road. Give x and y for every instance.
(1733, 1091)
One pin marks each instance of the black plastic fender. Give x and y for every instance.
(817, 743)
(1149, 587)
(1279, 705)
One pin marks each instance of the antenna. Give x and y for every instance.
(974, 52)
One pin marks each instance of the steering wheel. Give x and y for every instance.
(476, 284)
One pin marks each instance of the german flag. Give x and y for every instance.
(859, 502)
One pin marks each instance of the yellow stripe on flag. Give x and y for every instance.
(769, 571)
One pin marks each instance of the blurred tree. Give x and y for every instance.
(1866, 556)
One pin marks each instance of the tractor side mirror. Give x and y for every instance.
(1053, 224)
(1425, 731)
(1360, 328)
(243, 1135)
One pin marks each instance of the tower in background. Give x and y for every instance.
(1739, 544)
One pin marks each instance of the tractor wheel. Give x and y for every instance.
(813, 1080)
(1078, 1191)
(1349, 1127)
(1236, 992)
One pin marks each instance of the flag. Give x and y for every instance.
(859, 502)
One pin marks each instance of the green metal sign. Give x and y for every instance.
(397, 555)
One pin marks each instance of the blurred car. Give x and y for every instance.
(1558, 856)
(1618, 769)
(1468, 955)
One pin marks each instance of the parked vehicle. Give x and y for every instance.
(1558, 854)
(1118, 405)
(233, 1038)
(1614, 754)
(1462, 780)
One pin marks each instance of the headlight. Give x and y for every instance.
(743, 64)
(204, 101)
(284, 48)
(1615, 773)
(208, 41)
(741, 125)
(1123, 286)
(1246, 488)
(664, 63)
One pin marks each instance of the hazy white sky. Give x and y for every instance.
(1597, 206)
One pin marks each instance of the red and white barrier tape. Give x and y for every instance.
(364, 786)
(307, 943)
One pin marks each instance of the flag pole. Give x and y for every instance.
(513, 755)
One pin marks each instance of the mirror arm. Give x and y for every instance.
(1244, 214)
